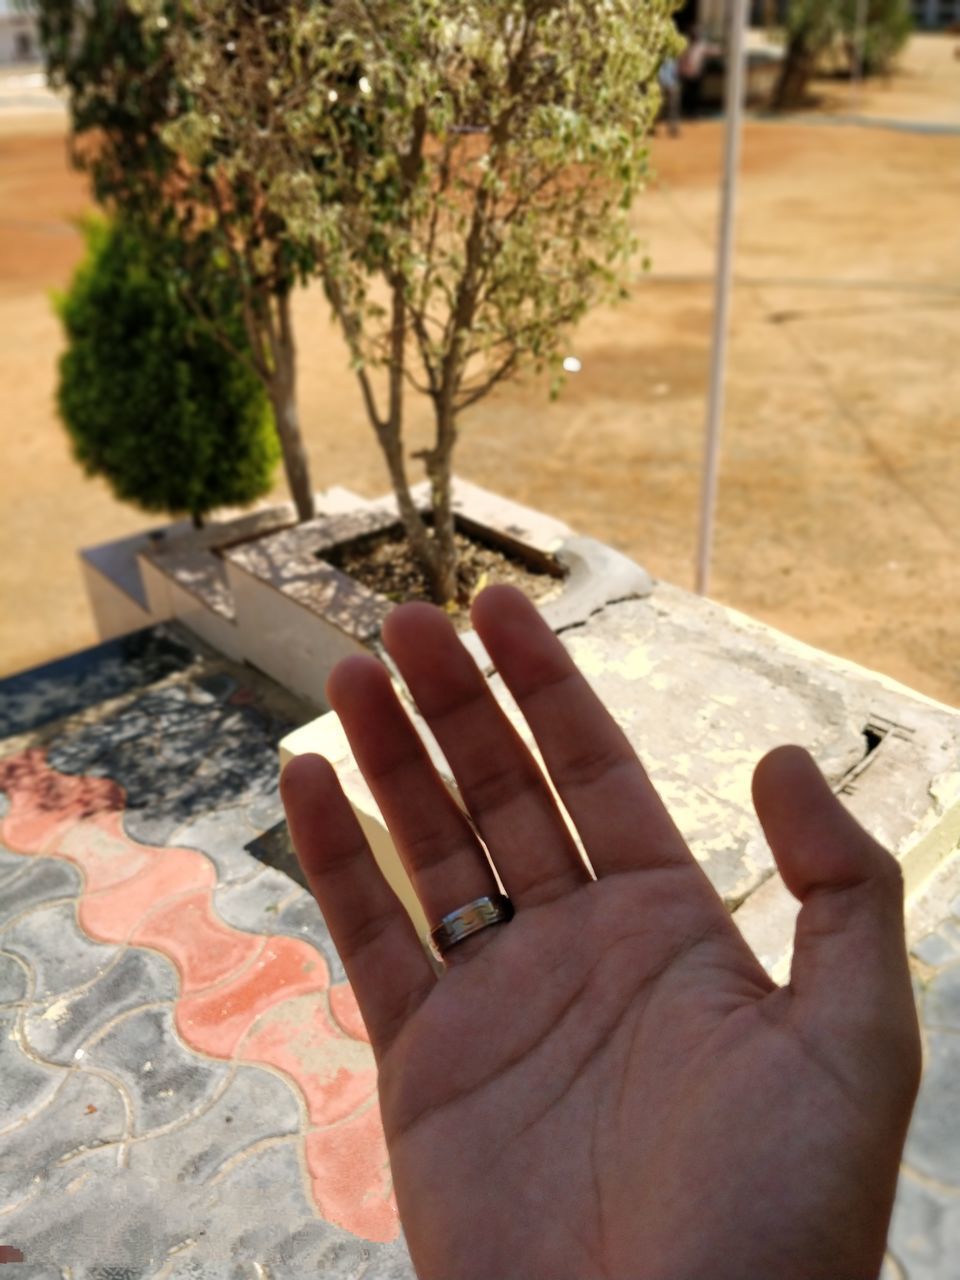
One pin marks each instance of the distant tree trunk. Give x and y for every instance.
(282, 390)
(796, 72)
(197, 519)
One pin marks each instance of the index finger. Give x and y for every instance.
(622, 822)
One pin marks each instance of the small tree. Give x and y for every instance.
(485, 211)
(817, 27)
(151, 400)
(114, 59)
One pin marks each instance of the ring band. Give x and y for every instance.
(479, 914)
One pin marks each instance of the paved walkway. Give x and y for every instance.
(187, 1087)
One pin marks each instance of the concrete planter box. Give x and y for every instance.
(299, 615)
(256, 587)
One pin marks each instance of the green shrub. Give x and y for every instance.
(151, 400)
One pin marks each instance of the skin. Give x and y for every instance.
(609, 1085)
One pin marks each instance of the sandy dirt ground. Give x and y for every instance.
(838, 506)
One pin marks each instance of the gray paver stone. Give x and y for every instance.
(62, 956)
(40, 1271)
(941, 1002)
(255, 1105)
(166, 1080)
(265, 811)
(301, 918)
(13, 979)
(44, 880)
(92, 1214)
(307, 1252)
(12, 866)
(934, 949)
(29, 1154)
(25, 1082)
(186, 1266)
(933, 1142)
(253, 1207)
(254, 905)
(221, 835)
(56, 1030)
(925, 1232)
(291, 1241)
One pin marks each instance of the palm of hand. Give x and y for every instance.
(622, 1110)
(611, 1085)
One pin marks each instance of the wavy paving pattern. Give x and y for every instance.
(243, 998)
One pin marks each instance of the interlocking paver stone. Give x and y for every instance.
(12, 865)
(941, 1006)
(26, 1083)
(166, 1080)
(925, 1232)
(266, 810)
(93, 1214)
(933, 1143)
(254, 1105)
(260, 1213)
(255, 904)
(186, 1266)
(62, 956)
(44, 880)
(56, 1030)
(301, 918)
(106, 671)
(180, 754)
(934, 949)
(222, 836)
(307, 1252)
(14, 981)
(87, 1112)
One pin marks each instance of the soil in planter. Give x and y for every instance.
(383, 562)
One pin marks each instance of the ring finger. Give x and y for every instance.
(439, 849)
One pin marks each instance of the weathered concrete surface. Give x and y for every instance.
(703, 692)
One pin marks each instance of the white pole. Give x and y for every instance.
(735, 69)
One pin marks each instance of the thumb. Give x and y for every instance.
(850, 969)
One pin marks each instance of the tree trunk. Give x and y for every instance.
(283, 397)
(443, 572)
(197, 519)
(796, 72)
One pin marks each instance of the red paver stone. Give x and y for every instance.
(344, 1007)
(336, 1071)
(103, 852)
(44, 803)
(113, 914)
(350, 1171)
(214, 1022)
(204, 949)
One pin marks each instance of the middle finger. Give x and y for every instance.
(499, 780)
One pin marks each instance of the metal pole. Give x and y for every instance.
(859, 45)
(735, 77)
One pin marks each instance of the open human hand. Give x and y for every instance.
(609, 1085)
